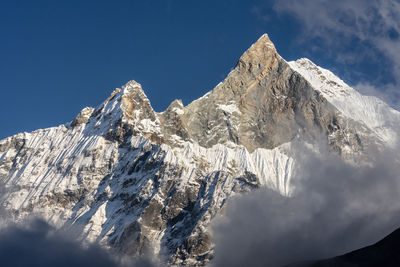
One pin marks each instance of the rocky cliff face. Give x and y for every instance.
(136, 180)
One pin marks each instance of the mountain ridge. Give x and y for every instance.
(134, 179)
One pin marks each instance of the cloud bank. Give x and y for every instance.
(35, 243)
(337, 207)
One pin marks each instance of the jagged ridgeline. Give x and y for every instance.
(137, 180)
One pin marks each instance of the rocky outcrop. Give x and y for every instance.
(83, 117)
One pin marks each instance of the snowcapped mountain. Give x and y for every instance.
(134, 179)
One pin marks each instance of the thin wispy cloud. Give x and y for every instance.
(370, 28)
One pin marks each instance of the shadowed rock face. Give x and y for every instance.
(138, 181)
(383, 253)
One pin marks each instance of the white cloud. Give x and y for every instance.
(336, 208)
(373, 24)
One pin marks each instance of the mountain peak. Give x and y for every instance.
(263, 47)
(265, 40)
(134, 91)
(132, 86)
(260, 57)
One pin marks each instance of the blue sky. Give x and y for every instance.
(57, 57)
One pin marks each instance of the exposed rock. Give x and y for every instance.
(83, 117)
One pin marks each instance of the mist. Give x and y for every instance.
(36, 243)
(336, 207)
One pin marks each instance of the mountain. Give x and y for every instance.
(383, 253)
(136, 180)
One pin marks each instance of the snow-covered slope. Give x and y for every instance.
(133, 179)
(371, 111)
